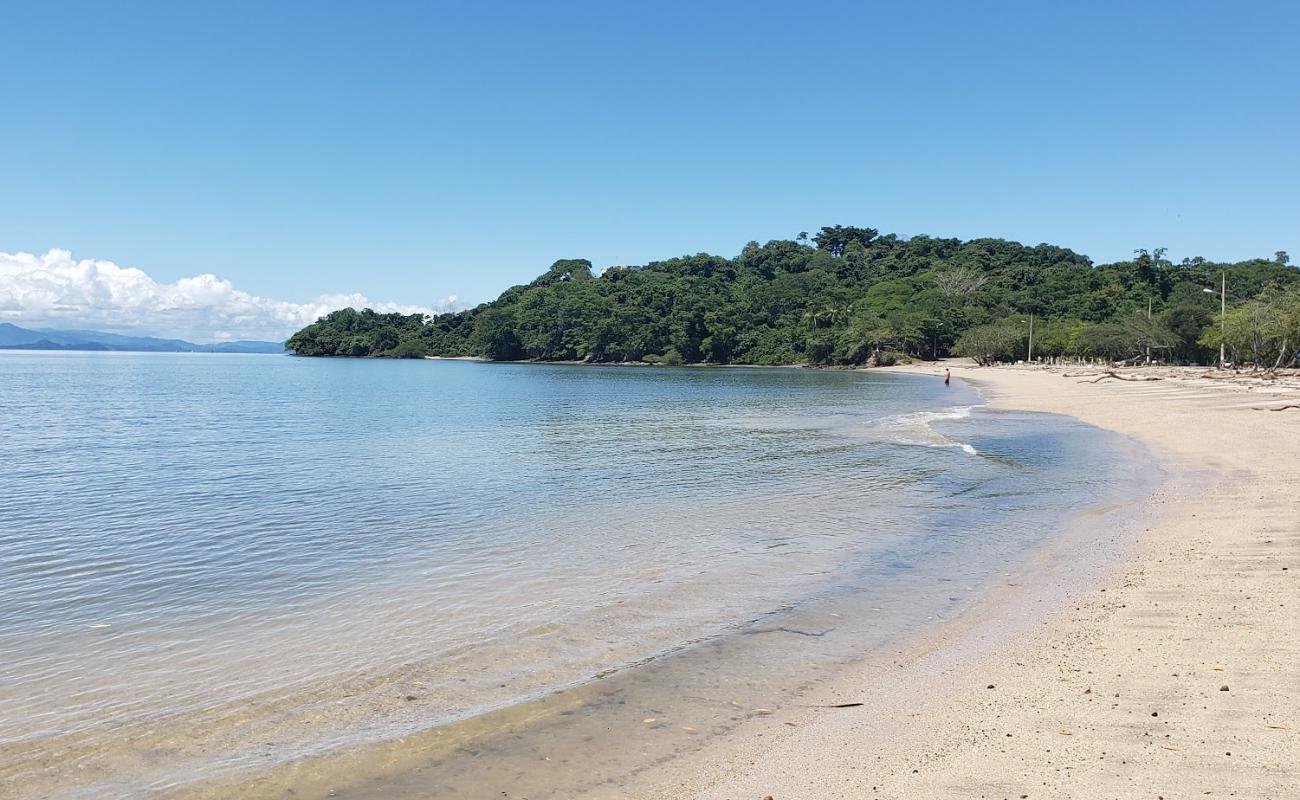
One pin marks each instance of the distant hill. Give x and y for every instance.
(13, 337)
(848, 296)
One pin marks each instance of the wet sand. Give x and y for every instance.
(1176, 674)
(1092, 667)
(658, 727)
(635, 732)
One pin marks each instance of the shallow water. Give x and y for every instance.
(211, 565)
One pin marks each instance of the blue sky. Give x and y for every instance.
(411, 151)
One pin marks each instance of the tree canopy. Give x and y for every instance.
(847, 296)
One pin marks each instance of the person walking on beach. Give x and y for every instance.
(947, 377)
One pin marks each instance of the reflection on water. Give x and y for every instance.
(212, 565)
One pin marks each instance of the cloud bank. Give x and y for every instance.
(57, 291)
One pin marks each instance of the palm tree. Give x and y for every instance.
(836, 314)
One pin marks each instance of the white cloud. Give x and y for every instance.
(57, 291)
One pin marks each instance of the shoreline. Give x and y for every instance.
(508, 737)
(1118, 693)
(921, 713)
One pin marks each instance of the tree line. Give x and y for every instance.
(850, 296)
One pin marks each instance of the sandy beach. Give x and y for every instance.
(1147, 647)
(1176, 673)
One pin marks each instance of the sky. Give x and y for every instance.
(226, 170)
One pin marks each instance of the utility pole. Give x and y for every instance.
(1148, 330)
(1223, 317)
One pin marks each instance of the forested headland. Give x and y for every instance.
(849, 296)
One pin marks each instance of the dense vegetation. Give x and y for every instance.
(849, 296)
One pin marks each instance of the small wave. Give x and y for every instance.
(917, 429)
(913, 428)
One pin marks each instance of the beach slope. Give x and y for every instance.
(1175, 675)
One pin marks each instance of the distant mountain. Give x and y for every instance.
(13, 337)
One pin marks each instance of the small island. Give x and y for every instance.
(848, 296)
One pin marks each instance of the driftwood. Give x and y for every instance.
(1118, 377)
(842, 705)
(795, 631)
(1279, 408)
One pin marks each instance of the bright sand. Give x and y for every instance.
(1094, 672)
(1177, 674)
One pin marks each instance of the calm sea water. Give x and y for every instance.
(211, 564)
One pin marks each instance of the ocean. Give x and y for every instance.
(218, 566)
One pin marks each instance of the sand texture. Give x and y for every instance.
(1176, 674)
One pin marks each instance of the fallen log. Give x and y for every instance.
(1119, 377)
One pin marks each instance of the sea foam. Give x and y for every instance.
(917, 428)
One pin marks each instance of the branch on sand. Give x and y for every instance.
(1118, 377)
(841, 705)
(789, 630)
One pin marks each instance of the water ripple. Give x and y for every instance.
(206, 553)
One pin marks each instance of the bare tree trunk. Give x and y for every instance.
(1281, 354)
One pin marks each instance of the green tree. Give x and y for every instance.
(988, 344)
(836, 238)
(1264, 332)
(855, 298)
